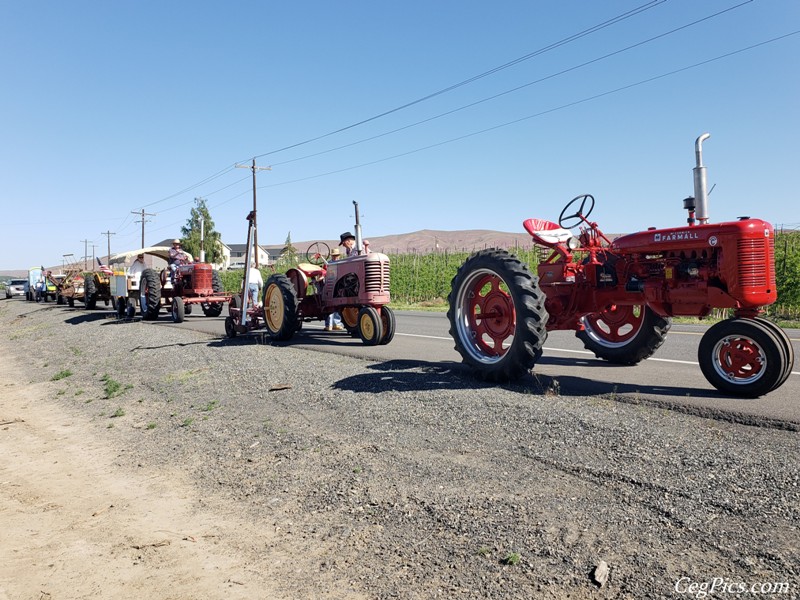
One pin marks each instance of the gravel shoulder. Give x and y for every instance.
(143, 460)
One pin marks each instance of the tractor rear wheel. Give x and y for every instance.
(150, 294)
(89, 292)
(623, 335)
(497, 315)
(370, 327)
(742, 357)
(389, 323)
(280, 307)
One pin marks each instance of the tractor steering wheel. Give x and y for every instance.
(564, 220)
(316, 255)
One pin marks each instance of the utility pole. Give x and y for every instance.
(93, 257)
(143, 221)
(254, 168)
(85, 252)
(108, 234)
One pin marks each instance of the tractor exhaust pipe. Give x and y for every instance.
(700, 181)
(359, 244)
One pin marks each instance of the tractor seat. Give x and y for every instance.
(546, 233)
(312, 270)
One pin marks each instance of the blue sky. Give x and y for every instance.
(113, 107)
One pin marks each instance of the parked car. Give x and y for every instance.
(15, 287)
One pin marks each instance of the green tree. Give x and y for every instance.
(288, 257)
(211, 238)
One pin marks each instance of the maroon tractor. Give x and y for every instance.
(619, 295)
(195, 284)
(357, 287)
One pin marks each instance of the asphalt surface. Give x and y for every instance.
(671, 378)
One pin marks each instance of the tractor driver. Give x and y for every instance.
(177, 257)
(348, 241)
(135, 270)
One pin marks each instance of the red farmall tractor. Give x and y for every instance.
(619, 295)
(195, 284)
(357, 287)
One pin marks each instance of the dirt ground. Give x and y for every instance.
(75, 525)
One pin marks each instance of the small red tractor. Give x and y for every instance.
(195, 283)
(357, 287)
(619, 295)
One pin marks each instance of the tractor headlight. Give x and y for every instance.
(573, 243)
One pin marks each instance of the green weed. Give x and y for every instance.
(61, 375)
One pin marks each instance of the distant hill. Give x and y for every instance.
(431, 240)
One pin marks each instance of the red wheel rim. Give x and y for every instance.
(491, 315)
(739, 358)
(616, 324)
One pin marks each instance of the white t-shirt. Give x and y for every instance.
(255, 277)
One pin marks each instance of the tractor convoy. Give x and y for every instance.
(618, 294)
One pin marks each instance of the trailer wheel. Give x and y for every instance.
(89, 292)
(497, 315)
(623, 335)
(742, 357)
(149, 294)
(280, 307)
(178, 310)
(389, 323)
(370, 327)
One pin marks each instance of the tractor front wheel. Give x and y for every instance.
(89, 292)
(497, 315)
(370, 327)
(214, 309)
(230, 327)
(120, 305)
(389, 324)
(742, 357)
(178, 309)
(349, 316)
(280, 307)
(150, 294)
(623, 335)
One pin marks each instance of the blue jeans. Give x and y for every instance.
(333, 319)
(253, 293)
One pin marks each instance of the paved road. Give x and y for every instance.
(671, 378)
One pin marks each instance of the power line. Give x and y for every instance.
(619, 18)
(520, 87)
(539, 114)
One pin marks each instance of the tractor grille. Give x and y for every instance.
(755, 263)
(377, 276)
